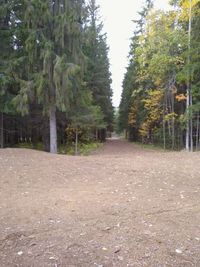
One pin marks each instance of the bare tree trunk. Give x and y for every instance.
(53, 130)
(191, 124)
(173, 122)
(197, 132)
(199, 138)
(2, 131)
(168, 104)
(164, 123)
(76, 142)
(173, 133)
(187, 141)
(188, 137)
(45, 134)
(164, 136)
(96, 133)
(126, 134)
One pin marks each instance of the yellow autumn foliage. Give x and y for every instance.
(170, 116)
(144, 129)
(181, 97)
(185, 4)
(132, 116)
(153, 105)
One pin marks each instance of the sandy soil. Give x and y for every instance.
(121, 206)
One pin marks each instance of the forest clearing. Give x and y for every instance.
(121, 206)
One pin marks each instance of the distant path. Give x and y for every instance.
(121, 147)
(122, 206)
(116, 147)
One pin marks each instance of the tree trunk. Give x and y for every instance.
(53, 130)
(126, 134)
(164, 122)
(45, 134)
(96, 133)
(173, 122)
(188, 137)
(2, 131)
(197, 132)
(76, 143)
(187, 145)
(164, 136)
(191, 124)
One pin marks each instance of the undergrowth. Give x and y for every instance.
(69, 149)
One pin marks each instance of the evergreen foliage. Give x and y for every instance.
(44, 70)
(98, 76)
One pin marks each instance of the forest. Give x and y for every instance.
(160, 101)
(130, 201)
(55, 83)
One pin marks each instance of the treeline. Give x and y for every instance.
(54, 72)
(161, 89)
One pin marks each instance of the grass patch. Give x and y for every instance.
(69, 149)
(37, 146)
(83, 149)
(151, 146)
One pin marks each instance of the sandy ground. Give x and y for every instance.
(121, 206)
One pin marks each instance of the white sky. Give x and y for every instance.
(117, 17)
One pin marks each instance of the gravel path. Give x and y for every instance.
(121, 206)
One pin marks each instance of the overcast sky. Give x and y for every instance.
(117, 16)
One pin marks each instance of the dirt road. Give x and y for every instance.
(121, 206)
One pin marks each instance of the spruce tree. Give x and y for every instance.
(7, 43)
(54, 56)
(98, 76)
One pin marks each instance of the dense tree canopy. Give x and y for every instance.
(54, 73)
(160, 98)
(48, 72)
